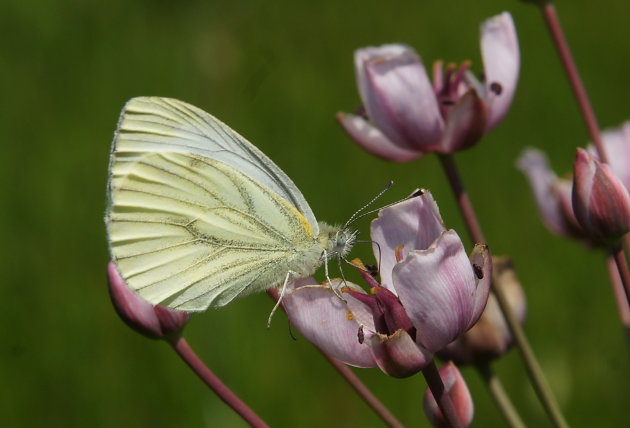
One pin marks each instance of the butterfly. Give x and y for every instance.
(197, 216)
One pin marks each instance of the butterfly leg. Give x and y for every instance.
(330, 283)
(284, 289)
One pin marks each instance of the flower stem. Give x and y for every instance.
(622, 268)
(557, 34)
(363, 391)
(620, 294)
(434, 381)
(184, 350)
(536, 375)
(564, 52)
(503, 402)
(353, 380)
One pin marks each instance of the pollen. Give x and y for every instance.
(358, 263)
(349, 316)
(398, 251)
(373, 290)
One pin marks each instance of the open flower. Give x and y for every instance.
(430, 293)
(407, 115)
(553, 195)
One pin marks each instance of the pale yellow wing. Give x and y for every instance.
(192, 232)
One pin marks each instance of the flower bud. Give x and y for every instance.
(600, 200)
(456, 388)
(155, 322)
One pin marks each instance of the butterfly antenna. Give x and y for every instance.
(353, 217)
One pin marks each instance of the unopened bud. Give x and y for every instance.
(600, 200)
(155, 322)
(455, 386)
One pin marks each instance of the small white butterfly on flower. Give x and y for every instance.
(197, 216)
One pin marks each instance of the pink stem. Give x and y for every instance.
(553, 24)
(184, 350)
(620, 294)
(622, 268)
(434, 381)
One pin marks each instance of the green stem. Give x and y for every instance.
(503, 402)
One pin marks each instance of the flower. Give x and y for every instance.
(600, 200)
(154, 322)
(490, 337)
(456, 387)
(409, 116)
(553, 195)
(430, 293)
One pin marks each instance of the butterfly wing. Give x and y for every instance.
(154, 124)
(192, 232)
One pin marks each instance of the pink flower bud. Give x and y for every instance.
(154, 322)
(456, 387)
(600, 200)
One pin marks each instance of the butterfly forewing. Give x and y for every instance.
(153, 124)
(194, 232)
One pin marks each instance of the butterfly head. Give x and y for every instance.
(336, 240)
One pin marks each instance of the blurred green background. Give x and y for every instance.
(277, 72)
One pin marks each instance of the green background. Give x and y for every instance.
(277, 72)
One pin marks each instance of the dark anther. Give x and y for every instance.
(478, 271)
(418, 192)
(361, 335)
(496, 88)
(372, 270)
(448, 102)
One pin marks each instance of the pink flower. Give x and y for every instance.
(457, 389)
(409, 116)
(600, 200)
(154, 322)
(553, 195)
(430, 293)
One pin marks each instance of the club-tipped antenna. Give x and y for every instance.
(357, 216)
(353, 217)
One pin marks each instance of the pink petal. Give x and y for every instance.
(544, 182)
(482, 267)
(456, 387)
(600, 200)
(501, 61)
(373, 140)
(465, 123)
(325, 320)
(415, 224)
(437, 287)
(363, 55)
(398, 355)
(617, 145)
(400, 101)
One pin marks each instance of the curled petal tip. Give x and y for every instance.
(501, 59)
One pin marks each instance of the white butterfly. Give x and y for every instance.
(197, 216)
